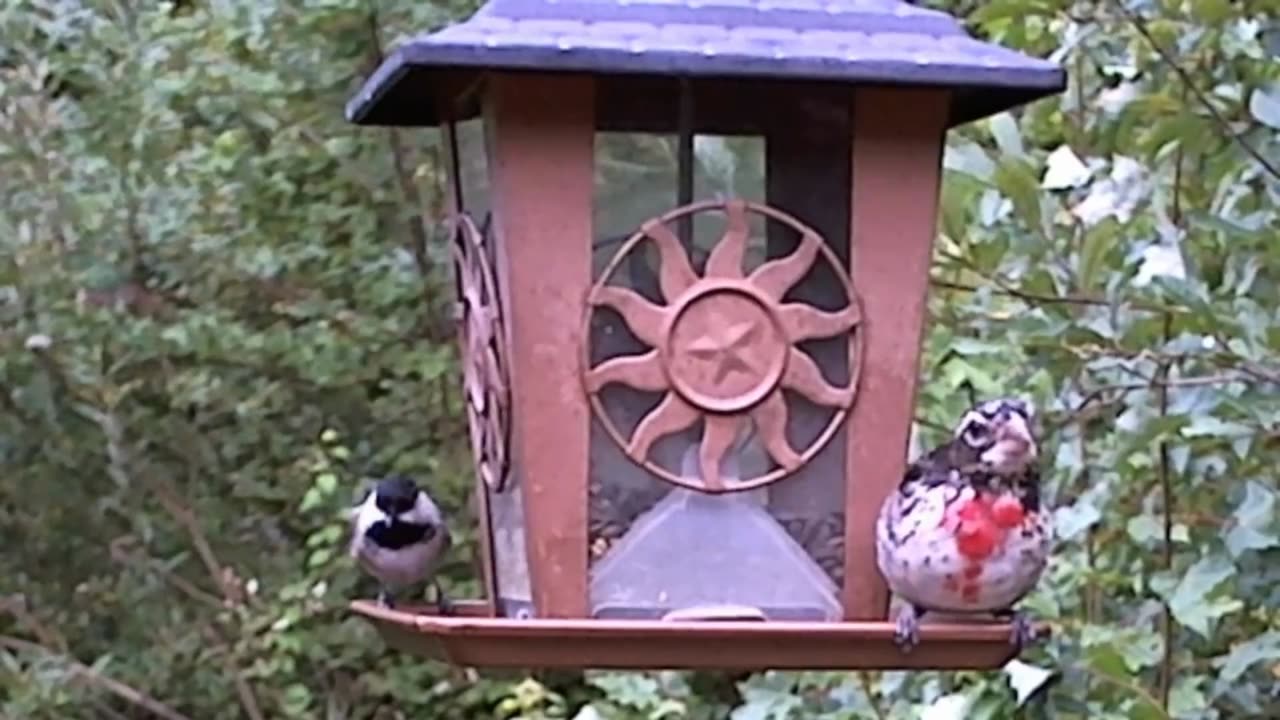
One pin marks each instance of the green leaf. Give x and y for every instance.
(1072, 520)
(1264, 105)
(1025, 679)
(1145, 529)
(326, 483)
(635, 690)
(764, 703)
(1244, 655)
(319, 557)
(1186, 699)
(968, 158)
(1191, 601)
(1254, 521)
(1015, 179)
(1098, 241)
(1005, 130)
(955, 706)
(1210, 426)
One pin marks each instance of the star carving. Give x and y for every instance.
(726, 348)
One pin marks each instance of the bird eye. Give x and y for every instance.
(977, 432)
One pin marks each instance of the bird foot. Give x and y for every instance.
(1023, 631)
(385, 600)
(444, 605)
(906, 634)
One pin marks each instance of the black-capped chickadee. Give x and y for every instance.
(399, 537)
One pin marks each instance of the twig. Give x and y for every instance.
(871, 698)
(927, 423)
(168, 497)
(1002, 288)
(115, 687)
(1166, 484)
(1141, 26)
(16, 605)
(1166, 502)
(1092, 598)
(120, 553)
(248, 700)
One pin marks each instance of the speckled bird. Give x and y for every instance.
(965, 531)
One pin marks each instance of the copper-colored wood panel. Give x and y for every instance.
(897, 158)
(656, 644)
(541, 140)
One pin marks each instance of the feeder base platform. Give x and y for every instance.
(469, 638)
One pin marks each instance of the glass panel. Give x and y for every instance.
(656, 546)
(506, 506)
(506, 519)
(809, 178)
(473, 169)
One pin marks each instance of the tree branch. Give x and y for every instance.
(1165, 682)
(1004, 288)
(125, 692)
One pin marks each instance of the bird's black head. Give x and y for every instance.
(396, 494)
(1000, 435)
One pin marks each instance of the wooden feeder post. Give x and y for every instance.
(683, 432)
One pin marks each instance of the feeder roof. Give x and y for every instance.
(850, 41)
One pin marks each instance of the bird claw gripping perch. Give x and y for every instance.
(906, 633)
(385, 600)
(443, 604)
(1022, 632)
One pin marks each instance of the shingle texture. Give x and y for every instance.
(855, 41)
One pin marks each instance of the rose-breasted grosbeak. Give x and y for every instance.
(965, 532)
(399, 536)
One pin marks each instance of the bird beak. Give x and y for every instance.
(1015, 436)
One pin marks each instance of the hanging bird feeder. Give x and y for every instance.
(685, 418)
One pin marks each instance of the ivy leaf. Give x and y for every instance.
(588, 712)
(954, 706)
(1064, 169)
(1071, 520)
(1026, 679)
(1191, 601)
(1264, 105)
(1254, 521)
(635, 690)
(1007, 135)
(1244, 655)
(766, 703)
(1210, 426)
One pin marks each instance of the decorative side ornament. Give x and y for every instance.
(486, 378)
(723, 345)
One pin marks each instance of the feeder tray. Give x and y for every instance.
(471, 639)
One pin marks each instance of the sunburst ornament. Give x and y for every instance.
(484, 358)
(723, 345)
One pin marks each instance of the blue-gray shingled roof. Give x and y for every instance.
(851, 41)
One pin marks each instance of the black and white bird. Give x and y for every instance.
(399, 537)
(965, 531)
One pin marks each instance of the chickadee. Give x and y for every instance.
(399, 537)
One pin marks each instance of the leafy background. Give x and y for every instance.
(221, 306)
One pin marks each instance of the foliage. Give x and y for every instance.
(220, 307)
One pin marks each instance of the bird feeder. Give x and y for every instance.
(687, 401)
